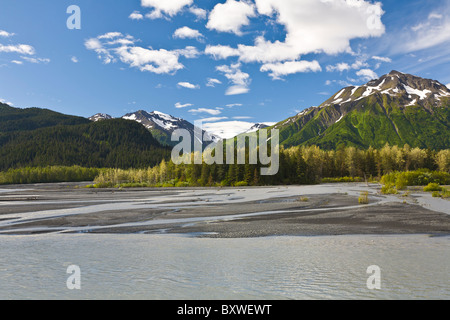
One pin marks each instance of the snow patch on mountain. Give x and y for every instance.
(100, 116)
(421, 93)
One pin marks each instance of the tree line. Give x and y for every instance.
(298, 165)
(113, 144)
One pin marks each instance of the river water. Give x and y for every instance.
(170, 267)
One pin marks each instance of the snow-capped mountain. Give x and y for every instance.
(397, 109)
(409, 89)
(231, 129)
(257, 126)
(100, 116)
(163, 125)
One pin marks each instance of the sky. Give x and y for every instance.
(228, 62)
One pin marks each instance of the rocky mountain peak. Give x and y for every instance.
(100, 116)
(408, 89)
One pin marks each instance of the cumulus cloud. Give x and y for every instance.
(361, 62)
(74, 59)
(114, 46)
(188, 85)
(240, 80)
(189, 52)
(231, 16)
(198, 12)
(339, 67)
(156, 61)
(186, 32)
(221, 52)
(165, 7)
(278, 70)
(311, 26)
(5, 34)
(136, 15)
(367, 74)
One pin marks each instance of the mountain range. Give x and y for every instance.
(162, 126)
(397, 109)
(40, 137)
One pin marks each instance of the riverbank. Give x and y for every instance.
(329, 209)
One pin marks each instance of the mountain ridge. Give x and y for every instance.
(396, 108)
(161, 125)
(40, 137)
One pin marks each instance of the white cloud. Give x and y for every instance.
(188, 52)
(211, 82)
(278, 70)
(111, 35)
(198, 12)
(435, 15)
(213, 112)
(136, 15)
(186, 32)
(232, 105)
(74, 59)
(213, 119)
(448, 85)
(5, 34)
(167, 7)
(242, 118)
(433, 31)
(26, 51)
(339, 67)
(237, 89)
(367, 74)
(382, 59)
(36, 60)
(19, 48)
(231, 16)
(114, 46)
(156, 61)
(96, 45)
(361, 62)
(311, 26)
(240, 80)
(93, 44)
(221, 52)
(178, 105)
(188, 85)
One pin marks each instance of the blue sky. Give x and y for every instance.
(247, 60)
